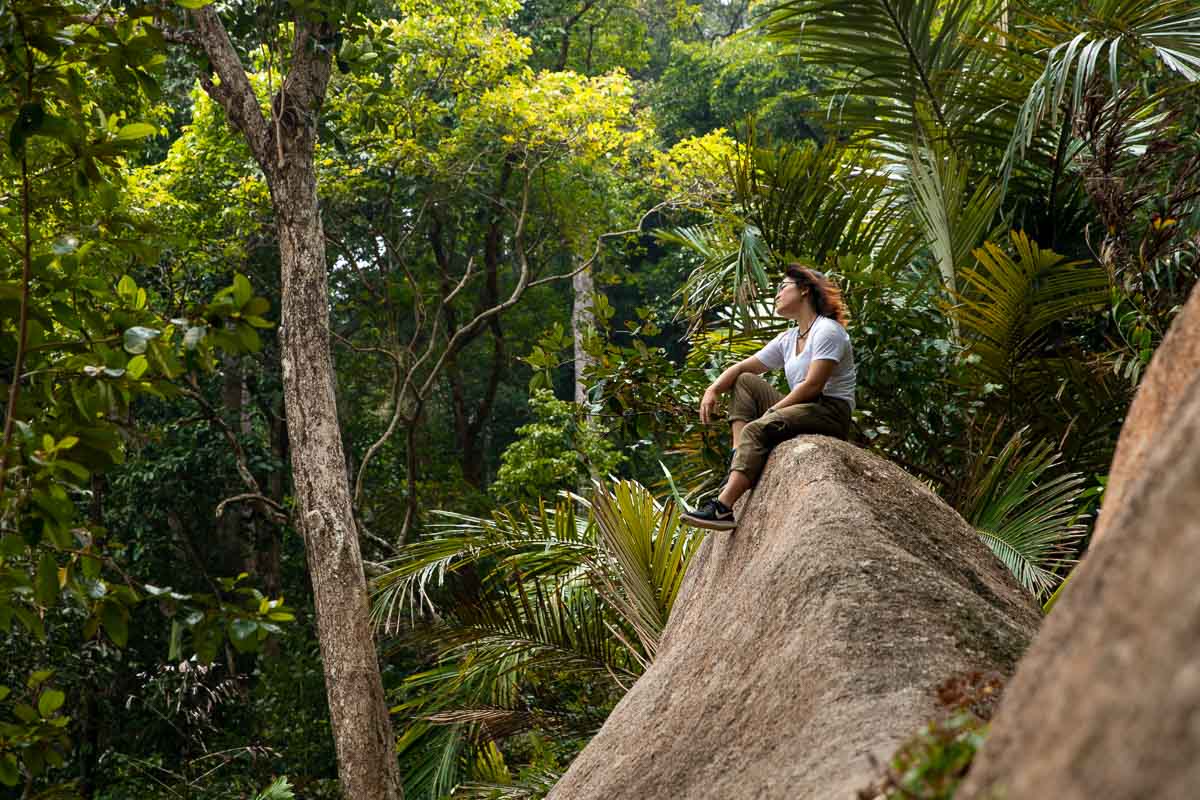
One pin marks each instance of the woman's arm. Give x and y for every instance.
(724, 383)
(811, 387)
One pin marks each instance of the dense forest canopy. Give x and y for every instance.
(301, 301)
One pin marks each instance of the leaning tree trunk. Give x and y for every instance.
(284, 149)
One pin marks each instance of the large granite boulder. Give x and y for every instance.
(808, 640)
(1107, 702)
(1152, 414)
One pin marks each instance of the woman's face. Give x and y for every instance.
(789, 298)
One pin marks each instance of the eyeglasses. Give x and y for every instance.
(786, 284)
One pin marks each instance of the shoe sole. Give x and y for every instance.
(710, 524)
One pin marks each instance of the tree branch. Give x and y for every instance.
(233, 93)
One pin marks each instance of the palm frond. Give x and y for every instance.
(792, 202)
(1113, 30)
(577, 591)
(901, 62)
(651, 549)
(1027, 515)
(551, 541)
(1006, 304)
(733, 270)
(954, 217)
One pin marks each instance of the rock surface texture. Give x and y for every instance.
(1107, 702)
(810, 637)
(1152, 414)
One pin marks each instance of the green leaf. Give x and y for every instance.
(11, 546)
(38, 677)
(127, 288)
(137, 338)
(193, 4)
(193, 336)
(115, 620)
(134, 131)
(175, 648)
(256, 307)
(91, 567)
(31, 621)
(4, 692)
(46, 587)
(50, 701)
(242, 290)
(242, 633)
(137, 367)
(248, 338)
(9, 774)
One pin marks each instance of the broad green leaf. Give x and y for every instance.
(135, 130)
(256, 307)
(137, 367)
(31, 621)
(46, 587)
(38, 677)
(137, 338)
(242, 290)
(9, 773)
(127, 287)
(50, 701)
(115, 620)
(193, 336)
(242, 634)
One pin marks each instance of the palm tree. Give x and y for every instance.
(521, 611)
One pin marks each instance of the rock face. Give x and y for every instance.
(1176, 364)
(810, 637)
(1107, 702)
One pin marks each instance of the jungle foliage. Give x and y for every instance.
(1007, 193)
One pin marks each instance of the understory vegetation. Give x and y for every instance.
(547, 227)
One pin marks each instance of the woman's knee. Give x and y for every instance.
(748, 382)
(754, 432)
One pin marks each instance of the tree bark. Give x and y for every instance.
(284, 149)
(583, 320)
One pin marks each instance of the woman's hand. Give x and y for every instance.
(708, 405)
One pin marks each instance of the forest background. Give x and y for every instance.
(544, 227)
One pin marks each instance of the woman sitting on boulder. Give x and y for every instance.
(819, 363)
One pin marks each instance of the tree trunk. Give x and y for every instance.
(284, 148)
(361, 728)
(583, 320)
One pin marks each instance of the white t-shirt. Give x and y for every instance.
(826, 340)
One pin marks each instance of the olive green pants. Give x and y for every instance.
(752, 396)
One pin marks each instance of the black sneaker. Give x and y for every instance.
(713, 515)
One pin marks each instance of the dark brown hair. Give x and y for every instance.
(827, 298)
